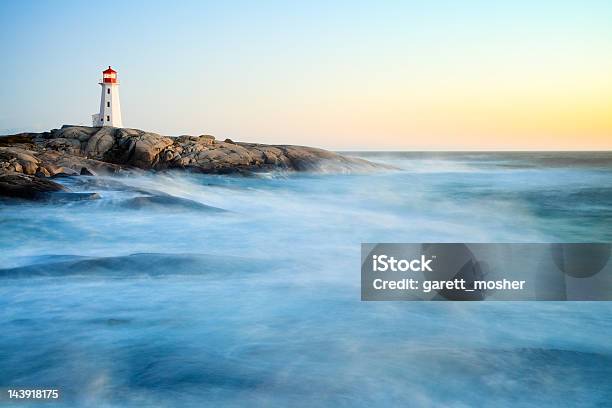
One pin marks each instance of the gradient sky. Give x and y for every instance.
(344, 75)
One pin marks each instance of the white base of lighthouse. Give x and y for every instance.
(110, 107)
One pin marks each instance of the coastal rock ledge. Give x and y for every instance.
(26, 158)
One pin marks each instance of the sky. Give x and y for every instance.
(380, 75)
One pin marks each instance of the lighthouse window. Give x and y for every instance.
(108, 90)
(107, 118)
(108, 104)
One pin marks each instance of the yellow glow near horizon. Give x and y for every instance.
(486, 118)
(539, 113)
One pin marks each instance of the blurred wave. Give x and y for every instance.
(148, 264)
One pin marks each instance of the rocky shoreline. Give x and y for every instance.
(29, 161)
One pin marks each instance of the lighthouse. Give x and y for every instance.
(110, 108)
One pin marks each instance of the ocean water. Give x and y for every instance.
(244, 291)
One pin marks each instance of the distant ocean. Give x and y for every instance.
(244, 291)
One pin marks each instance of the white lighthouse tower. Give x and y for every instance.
(110, 108)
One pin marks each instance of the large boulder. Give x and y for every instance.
(100, 143)
(137, 148)
(17, 185)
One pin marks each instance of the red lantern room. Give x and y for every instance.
(109, 76)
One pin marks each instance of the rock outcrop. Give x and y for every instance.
(18, 185)
(81, 150)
